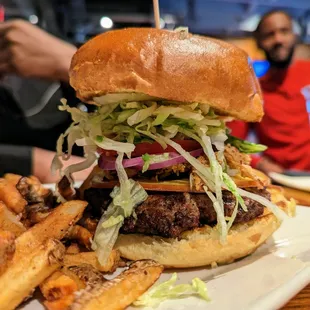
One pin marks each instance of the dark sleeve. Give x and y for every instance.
(69, 94)
(15, 159)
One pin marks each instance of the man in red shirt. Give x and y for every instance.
(285, 127)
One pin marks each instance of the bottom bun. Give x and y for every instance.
(201, 247)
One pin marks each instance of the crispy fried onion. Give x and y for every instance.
(246, 176)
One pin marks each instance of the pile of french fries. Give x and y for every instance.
(46, 245)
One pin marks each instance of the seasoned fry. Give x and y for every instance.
(65, 189)
(62, 303)
(59, 288)
(19, 280)
(37, 212)
(73, 248)
(59, 285)
(87, 274)
(122, 291)
(91, 259)
(55, 226)
(9, 221)
(81, 235)
(33, 262)
(32, 190)
(7, 249)
(11, 197)
(12, 178)
(90, 224)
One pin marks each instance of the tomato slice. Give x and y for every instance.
(156, 148)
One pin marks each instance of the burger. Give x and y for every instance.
(170, 184)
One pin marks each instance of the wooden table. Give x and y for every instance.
(302, 299)
(301, 197)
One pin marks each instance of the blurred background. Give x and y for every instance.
(232, 20)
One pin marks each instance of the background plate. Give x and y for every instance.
(298, 182)
(265, 280)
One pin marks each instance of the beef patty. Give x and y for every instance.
(169, 214)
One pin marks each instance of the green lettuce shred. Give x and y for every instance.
(246, 146)
(125, 198)
(151, 159)
(168, 290)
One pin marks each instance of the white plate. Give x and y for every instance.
(264, 280)
(298, 182)
(51, 186)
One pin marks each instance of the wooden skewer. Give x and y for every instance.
(156, 14)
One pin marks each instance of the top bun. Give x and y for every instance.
(170, 65)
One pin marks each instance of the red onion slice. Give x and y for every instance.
(108, 163)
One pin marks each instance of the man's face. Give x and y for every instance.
(277, 39)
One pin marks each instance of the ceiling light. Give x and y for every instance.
(33, 19)
(106, 22)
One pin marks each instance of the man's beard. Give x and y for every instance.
(281, 64)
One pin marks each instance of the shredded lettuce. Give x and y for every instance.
(232, 187)
(160, 118)
(125, 198)
(131, 105)
(124, 115)
(168, 290)
(151, 159)
(192, 160)
(149, 134)
(245, 146)
(221, 222)
(265, 202)
(141, 115)
(218, 140)
(109, 144)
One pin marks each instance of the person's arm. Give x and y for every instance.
(267, 165)
(241, 130)
(29, 51)
(24, 160)
(41, 166)
(15, 159)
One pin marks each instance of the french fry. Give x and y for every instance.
(90, 258)
(59, 288)
(19, 280)
(55, 226)
(73, 248)
(12, 178)
(90, 224)
(81, 235)
(62, 303)
(65, 189)
(59, 285)
(87, 274)
(32, 190)
(7, 249)
(37, 212)
(122, 291)
(41, 190)
(9, 221)
(11, 197)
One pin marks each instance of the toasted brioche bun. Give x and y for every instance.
(155, 63)
(201, 247)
